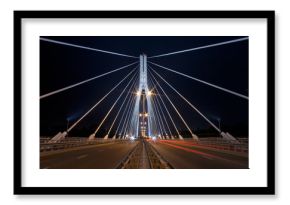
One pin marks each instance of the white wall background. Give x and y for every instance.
(282, 98)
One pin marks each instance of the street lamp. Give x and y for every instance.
(143, 114)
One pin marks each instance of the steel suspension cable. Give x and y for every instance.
(193, 135)
(106, 116)
(202, 47)
(127, 119)
(202, 81)
(113, 123)
(126, 116)
(92, 108)
(158, 121)
(187, 101)
(128, 122)
(129, 102)
(172, 121)
(85, 47)
(162, 114)
(84, 81)
(159, 116)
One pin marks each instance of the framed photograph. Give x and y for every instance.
(144, 102)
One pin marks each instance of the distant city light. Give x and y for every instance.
(149, 93)
(138, 93)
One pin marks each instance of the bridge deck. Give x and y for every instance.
(141, 154)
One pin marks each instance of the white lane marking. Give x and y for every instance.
(206, 157)
(82, 156)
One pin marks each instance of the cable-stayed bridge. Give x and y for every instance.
(143, 132)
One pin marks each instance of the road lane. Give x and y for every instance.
(182, 156)
(106, 156)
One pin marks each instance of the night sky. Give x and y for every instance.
(60, 66)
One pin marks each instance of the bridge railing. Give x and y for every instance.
(222, 144)
(47, 145)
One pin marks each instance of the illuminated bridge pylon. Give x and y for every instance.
(143, 115)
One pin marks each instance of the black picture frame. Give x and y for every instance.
(269, 189)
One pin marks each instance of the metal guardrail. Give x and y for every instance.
(222, 144)
(46, 145)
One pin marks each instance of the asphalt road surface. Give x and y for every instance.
(102, 156)
(185, 155)
(180, 155)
